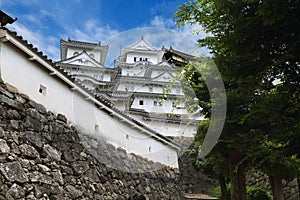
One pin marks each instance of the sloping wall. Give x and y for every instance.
(42, 157)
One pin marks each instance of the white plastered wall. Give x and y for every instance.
(28, 76)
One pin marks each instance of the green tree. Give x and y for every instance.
(275, 120)
(253, 42)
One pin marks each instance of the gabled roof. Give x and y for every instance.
(142, 45)
(34, 55)
(176, 57)
(165, 76)
(82, 59)
(165, 64)
(64, 44)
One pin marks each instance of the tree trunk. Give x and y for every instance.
(237, 177)
(224, 192)
(277, 188)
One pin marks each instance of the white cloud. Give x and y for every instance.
(182, 39)
(160, 22)
(48, 45)
(92, 32)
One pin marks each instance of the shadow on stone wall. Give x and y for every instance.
(191, 179)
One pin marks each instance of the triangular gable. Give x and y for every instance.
(82, 59)
(165, 76)
(165, 64)
(142, 45)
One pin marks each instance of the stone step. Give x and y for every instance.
(199, 197)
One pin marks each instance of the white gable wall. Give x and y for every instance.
(136, 70)
(28, 77)
(72, 51)
(139, 55)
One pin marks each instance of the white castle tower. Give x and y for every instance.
(142, 83)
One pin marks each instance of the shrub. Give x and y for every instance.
(216, 192)
(255, 193)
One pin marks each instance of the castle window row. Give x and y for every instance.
(139, 59)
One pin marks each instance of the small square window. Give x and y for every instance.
(155, 103)
(141, 59)
(141, 102)
(43, 90)
(134, 59)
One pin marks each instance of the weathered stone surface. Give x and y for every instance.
(36, 115)
(80, 167)
(5, 92)
(62, 118)
(20, 99)
(70, 156)
(13, 114)
(34, 138)
(32, 124)
(75, 193)
(51, 152)
(42, 190)
(11, 103)
(57, 177)
(14, 125)
(43, 168)
(13, 171)
(16, 191)
(37, 106)
(15, 149)
(28, 151)
(38, 177)
(92, 175)
(4, 148)
(10, 88)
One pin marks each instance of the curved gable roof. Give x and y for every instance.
(142, 45)
(82, 59)
(64, 44)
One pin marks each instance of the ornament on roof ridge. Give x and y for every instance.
(6, 19)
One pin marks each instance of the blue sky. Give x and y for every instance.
(44, 23)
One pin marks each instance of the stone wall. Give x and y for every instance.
(256, 178)
(193, 180)
(43, 157)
